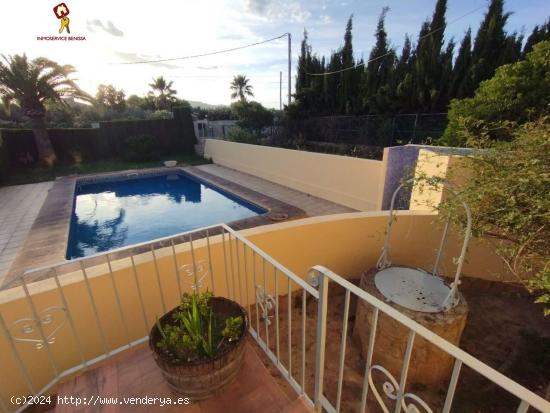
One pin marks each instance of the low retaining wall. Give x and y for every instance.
(353, 182)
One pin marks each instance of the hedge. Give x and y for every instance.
(3, 159)
(173, 136)
(70, 145)
(116, 133)
(184, 120)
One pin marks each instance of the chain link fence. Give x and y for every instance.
(363, 136)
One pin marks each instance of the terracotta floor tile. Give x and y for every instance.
(135, 374)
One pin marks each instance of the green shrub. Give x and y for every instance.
(252, 116)
(159, 114)
(241, 135)
(517, 93)
(509, 196)
(141, 148)
(196, 331)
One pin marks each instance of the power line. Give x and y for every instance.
(202, 54)
(391, 52)
(224, 76)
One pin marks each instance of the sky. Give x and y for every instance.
(125, 31)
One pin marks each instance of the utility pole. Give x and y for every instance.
(281, 90)
(289, 66)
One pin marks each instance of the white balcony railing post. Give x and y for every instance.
(318, 279)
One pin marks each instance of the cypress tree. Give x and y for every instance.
(347, 89)
(331, 83)
(404, 87)
(461, 83)
(347, 49)
(512, 49)
(379, 68)
(315, 90)
(422, 79)
(429, 62)
(302, 79)
(309, 89)
(437, 30)
(421, 70)
(538, 34)
(404, 61)
(444, 95)
(489, 43)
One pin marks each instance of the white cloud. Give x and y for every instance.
(124, 31)
(325, 19)
(107, 27)
(278, 10)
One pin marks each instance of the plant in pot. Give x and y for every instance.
(199, 345)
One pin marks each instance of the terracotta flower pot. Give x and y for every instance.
(200, 379)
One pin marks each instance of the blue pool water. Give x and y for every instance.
(113, 214)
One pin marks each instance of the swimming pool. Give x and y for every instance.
(128, 210)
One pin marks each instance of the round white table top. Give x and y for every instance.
(412, 288)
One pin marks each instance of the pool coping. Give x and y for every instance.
(47, 241)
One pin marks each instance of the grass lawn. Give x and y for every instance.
(41, 174)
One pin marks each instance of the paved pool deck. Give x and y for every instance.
(311, 205)
(35, 219)
(19, 206)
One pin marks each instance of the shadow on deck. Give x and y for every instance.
(134, 374)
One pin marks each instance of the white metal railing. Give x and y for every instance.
(268, 290)
(246, 272)
(393, 389)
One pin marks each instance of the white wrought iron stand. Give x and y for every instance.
(415, 288)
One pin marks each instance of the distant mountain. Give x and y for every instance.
(197, 104)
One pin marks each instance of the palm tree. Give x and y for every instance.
(31, 84)
(241, 88)
(166, 94)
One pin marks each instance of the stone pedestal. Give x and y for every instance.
(429, 365)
